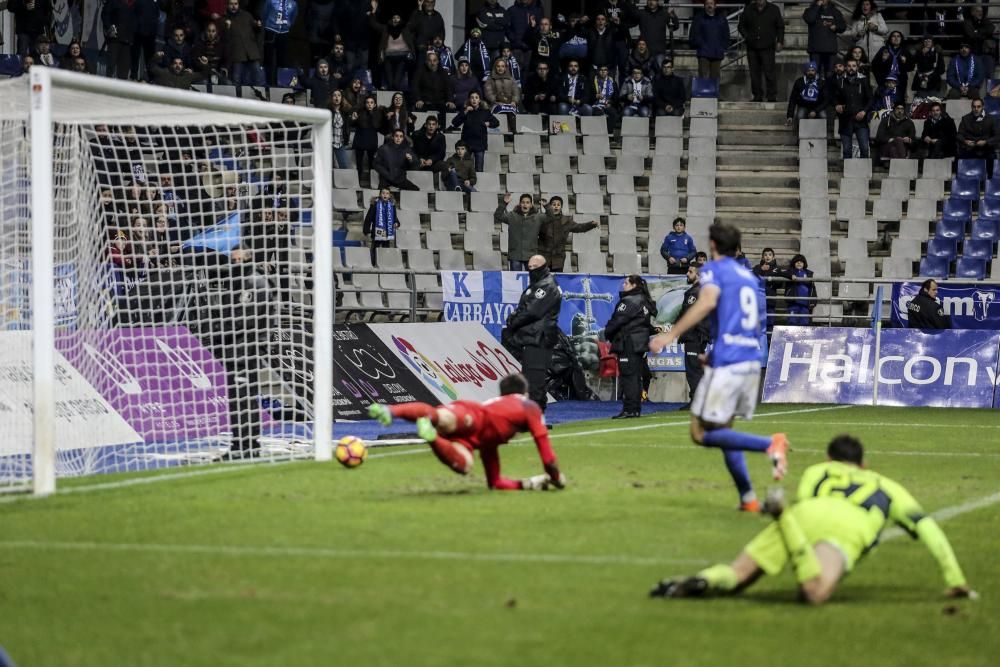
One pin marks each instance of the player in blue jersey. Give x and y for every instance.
(731, 295)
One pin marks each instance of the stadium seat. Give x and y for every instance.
(702, 165)
(620, 242)
(929, 188)
(857, 168)
(495, 143)
(596, 126)
(413, 200)
(934, 267)
(939, 169)
(591, 164)
(985, 230)
(522, 164)
(897, 268)
(518, 184)
(971, 269)
(491, 162)
(657, 265)
(369, 293)
(852, 248)
(635, 146)
(666, 205)
(483, 202)
(583, 184)
(444, 222)
(970, 168)
(408, 219)
(814, 186)
(894, 188)
(859, 267)
(923, 210)
(905, 248)
(527, 144)
(556, 164)
(488, 181)
(586, 241)
(854, 187)
(480, 222)
(592, 204)
(478, 240)
(635, 126)
(591, 262)
(528, 123)
(345, 200)
(666, 164)
(620, 185)
(989, 209)
(887, 209)
(955, 209)
(949, 229)
(556, 183)
(966, 189)
(631, 162)
(943, 248)
(704, 127)
(621, 224)
(901, 168)
(703, 107)
(849, 208)
(567, 123)
(346, 179)
(992, 105)
(814, 207)
(816, 228)
(596, 145)
(704, 87)
(668, 126)
(862, 228)
(812, 128)
(449, 201)
(627, 204)
(626, 263)
(437, 240)
(958, 108)
(669, 146)
(914, 230)
(487, 261)
(854, 291)
(978, 249)
(357, 257)
(992, 189)
(561, 144)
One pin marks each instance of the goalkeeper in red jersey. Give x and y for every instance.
(454, 430)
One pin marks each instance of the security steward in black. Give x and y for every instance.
(629, 330)
(925, 312)
(695, 340)
(533, 328)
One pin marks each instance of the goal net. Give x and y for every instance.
(165, 279)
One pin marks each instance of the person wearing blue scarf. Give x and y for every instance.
(278, 17)
(381, 222)
(800, 292)
(808, 98)
(446, 59)
(885, 97)
(893, 59)
(474, 50)
(965, 74)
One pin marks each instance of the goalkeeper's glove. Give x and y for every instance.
(380, 413)
(543, 482)
(426, 430)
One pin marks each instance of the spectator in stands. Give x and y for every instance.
(209, 52)
(700, 259)
(395, 52)
(211, 10)
(176, 76)
(360, 41)
(381, 222)
(678, 248)
(423, 26)
(742, 260)
(277, 19)
(924, 311)
(513, 66)
(242, 50)
(641, 57)
(710, 37)
(574, 93)
(977, 135)
(669, 92)
(464, 82)
(43, 52)
(475, 122)
(965, 74)
(825, 22)
(893, 59)
(321, 28)
(320, 84)
(868, 28)
(605, 98)
(459, 171)
(80, 65)
(367, 122)
(341, 65)
(928, 68)
(501, 91)
(655, 20)
(119, 19)
(522, 16)
(432, 89)
(768, 268)
(851, 102)
(429, 146)
(147, 29)
(541, 90)
(574, 43)
(491, 21)
(808, 97)
(477, 54)
(864, 67)
(885, 97)
(74, 51)
(939, 136)
(800, 292)
(392, 159)
(341, 128)
(896, 134)
(31, 20)
(446, 58)
(398, 116)
(555, 232)
(601, 40)
(524, 223)
(979, 32)
(763, 28)
(543, 42)
(637, 95)
(355, 94)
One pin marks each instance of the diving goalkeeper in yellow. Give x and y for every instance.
(838, 517)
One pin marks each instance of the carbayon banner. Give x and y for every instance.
(956, 368)
(970, 306)
(454, 360)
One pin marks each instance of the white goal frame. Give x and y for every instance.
(45, 83)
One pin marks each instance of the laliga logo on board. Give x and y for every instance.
(424, 367)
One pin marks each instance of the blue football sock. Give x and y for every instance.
(736, 462)
(727, 438)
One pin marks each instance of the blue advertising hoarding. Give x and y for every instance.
(970, 306)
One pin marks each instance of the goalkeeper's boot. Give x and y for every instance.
(689, 587)
(778, 453)
(380, 413)
(426, 430)
(774, 503)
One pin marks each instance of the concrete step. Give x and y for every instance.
(786, 201)
(751, 157)
(755, 138)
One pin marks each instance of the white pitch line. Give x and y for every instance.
(947, 513)
(897, 425)
(793, 449)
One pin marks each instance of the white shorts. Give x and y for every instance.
(726, 392)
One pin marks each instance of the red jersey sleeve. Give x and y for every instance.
(536, 426)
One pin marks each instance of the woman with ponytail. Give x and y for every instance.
(629, 330)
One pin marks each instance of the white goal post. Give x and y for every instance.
(167, 257)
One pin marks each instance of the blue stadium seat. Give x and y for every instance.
(286, 76)
(949, 229)
(973, 269)
(943, 248)
(978, 249)
(992, 105)
(966, 189)
(706, 88)
(10, 65)
(933, 267)
(989, 209)
(985, 230)
(957, 209)
(971, 168)
(993, 186)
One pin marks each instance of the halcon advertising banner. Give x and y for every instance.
(956, 368)
(970, 306)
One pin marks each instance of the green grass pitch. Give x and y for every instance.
(401, 562)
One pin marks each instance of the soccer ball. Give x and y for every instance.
(351, 452)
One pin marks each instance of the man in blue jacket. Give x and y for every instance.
(965, 74)
(278, 17)
(710, 37)
(678, 249)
